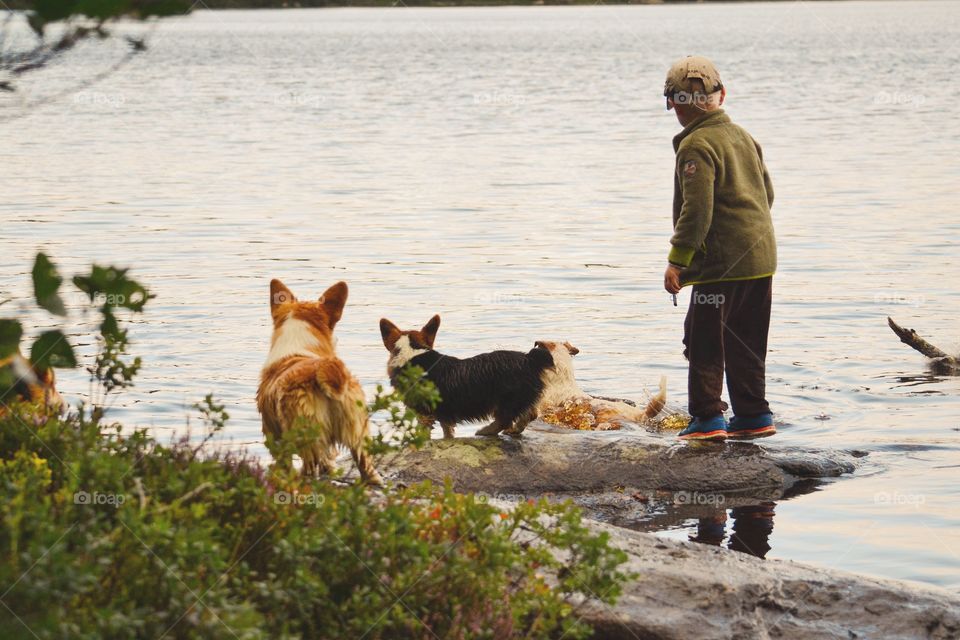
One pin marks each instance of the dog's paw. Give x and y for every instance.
(491, 429)
(374, 480)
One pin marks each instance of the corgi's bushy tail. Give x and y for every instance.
(657, 402)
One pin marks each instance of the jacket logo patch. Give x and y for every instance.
(689, 168)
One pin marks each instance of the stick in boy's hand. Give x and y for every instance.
(671, 279)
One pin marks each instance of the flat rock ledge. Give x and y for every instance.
(550, 460)
(687, 590)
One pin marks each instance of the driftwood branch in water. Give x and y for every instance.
(910, 337)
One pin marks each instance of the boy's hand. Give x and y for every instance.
(671, 279)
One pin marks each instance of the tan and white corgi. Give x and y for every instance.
(303, 381)
(27, 383)
(564, 403)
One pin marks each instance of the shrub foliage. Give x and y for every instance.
(107, 533)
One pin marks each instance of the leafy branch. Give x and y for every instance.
(57, 26)
(109, 289)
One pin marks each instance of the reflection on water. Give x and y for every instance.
(510, 169)
(721, 519)
(752, 526)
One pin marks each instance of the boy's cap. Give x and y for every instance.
(682, 71)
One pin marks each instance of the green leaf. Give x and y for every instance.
(50, 11)
(46, 283)
(110, 287)
(103, 9)
(36, 22)
(10, 334)
(8, 383)
(163, 8)
(110, 328)
(52, 349)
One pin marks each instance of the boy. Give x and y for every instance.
(723, 244)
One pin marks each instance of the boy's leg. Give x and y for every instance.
(703, 337)
(746, 327)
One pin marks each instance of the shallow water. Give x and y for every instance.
(510, 169)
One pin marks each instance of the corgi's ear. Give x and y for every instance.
(543, 344)
(430, 329)
(279, 296)
(572, 350)
(389, 332)
(333, 301)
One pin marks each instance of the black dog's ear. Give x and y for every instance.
(572, 350)
(389, 332)
(540, 344)
(430, 329)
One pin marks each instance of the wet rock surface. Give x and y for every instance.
(549, 460)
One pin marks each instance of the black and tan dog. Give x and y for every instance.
(505, 385)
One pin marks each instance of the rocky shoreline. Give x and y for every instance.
(686, 589)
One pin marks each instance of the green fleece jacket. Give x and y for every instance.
(722, 194)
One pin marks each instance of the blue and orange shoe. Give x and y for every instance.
(754, 427)
(714, 428)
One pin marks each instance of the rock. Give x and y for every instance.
(688, 590)
(550, 460)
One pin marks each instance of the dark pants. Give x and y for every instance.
(726, 327)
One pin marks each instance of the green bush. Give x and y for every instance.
(107, 534)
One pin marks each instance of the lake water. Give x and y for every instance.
(510, 169)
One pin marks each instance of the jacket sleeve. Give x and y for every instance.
(696, 173)
(767, 182)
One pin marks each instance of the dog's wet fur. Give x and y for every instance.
(37, 386)
(564, 401)
(303, 381)
(504, 385)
